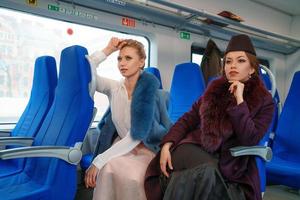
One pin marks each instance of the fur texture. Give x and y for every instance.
(215, 123)
(143, 105)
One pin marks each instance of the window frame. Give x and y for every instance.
(80, 22)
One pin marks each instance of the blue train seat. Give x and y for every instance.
(186, 87)
(52, 175)
(156, 73)
(40, 101)
(267, 79)
(41, 97)
(87, 158)
(262, 151)
(284, 169)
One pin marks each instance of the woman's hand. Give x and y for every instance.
(237, 89)
(113, 45)
(91, 176)
(165, 158)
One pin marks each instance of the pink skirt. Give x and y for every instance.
(122, 178)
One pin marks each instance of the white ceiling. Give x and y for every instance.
(290, 7)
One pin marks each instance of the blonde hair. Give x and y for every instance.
(136, 45)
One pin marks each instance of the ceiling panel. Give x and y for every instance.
(290, 7)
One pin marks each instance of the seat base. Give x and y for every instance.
(283, 172)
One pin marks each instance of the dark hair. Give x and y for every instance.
(254, 63)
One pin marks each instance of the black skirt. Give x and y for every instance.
(196, 177)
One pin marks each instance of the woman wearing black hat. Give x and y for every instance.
(235, 110)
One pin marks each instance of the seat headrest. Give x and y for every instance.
(74, 74)
(156, 73)
(45, 75)
(187, 86)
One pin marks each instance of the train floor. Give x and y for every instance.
(280, 192)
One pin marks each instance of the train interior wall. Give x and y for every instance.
(167, 49)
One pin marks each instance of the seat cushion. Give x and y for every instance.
(9, 168)
(280, 171)
(29, 190)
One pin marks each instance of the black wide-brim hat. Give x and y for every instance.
(240, 43)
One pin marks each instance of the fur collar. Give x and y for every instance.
(143, 105)
(215, 123)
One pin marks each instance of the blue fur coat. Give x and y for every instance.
(149, 116)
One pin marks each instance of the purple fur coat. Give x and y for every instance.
(216, 124)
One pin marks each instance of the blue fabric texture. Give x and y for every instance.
(65, 124)
(40, 101)
(284, 168)
(41, 97)
(186, 87)
(260, 163)
(266, 80)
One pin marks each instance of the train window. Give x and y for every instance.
(264, 62)
(24, 37)
(197, 54)
(2, 79)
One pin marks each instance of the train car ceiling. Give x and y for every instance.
(183, 18)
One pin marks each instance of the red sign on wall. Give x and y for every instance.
(128, 22)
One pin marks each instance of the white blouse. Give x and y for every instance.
(120, 111)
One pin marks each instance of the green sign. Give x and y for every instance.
(185, 35)
(52, 7)
(72, 12)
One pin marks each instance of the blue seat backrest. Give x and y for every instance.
(40, 101)
(267, 82)
(156, 73)
(65, 124)
(287, 138)
(265, 78)
(72, 101)
(265, 141)
(41, 97)
(186, 87)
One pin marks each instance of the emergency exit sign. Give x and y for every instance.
(185, 35)
(128, 22)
